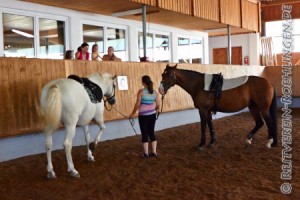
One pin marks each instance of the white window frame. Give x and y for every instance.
(190, 39)
(36, 16)
(105, 26)
(156, 32)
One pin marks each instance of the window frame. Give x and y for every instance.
(105, 26)
(190, 44)
(154, 33)
(36, 16)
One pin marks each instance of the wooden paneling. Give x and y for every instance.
(22, 81)
(250, 15)
(231, 12)
(274, 74)
(207, 9)
(182, 6)
(273, 10)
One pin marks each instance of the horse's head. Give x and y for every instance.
(168, 79)
(111, 91)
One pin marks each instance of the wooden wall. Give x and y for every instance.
(238, 13)
(274, 74)
(250, 15)
(22, 81)
(273, 12)
(182, 6)
(207, 9)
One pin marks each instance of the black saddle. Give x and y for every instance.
(216, 87)
(94, 91)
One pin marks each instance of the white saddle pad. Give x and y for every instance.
(227, 83)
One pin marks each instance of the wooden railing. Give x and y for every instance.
(22, 81)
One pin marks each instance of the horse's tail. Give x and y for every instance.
(273, 114)
(51, 113)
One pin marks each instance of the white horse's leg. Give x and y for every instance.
(70, 133)
(48, 146)
(87, 140)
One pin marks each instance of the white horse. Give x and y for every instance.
(66, 101)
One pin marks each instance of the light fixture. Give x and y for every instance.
(126, 13)
(22, 33)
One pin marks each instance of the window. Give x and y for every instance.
(274, 30)
(190, 50)
(116, 39)
(52, 38)
(18, 36)
(93, 35)
(21, 39)
(106, 36)
(158, 49)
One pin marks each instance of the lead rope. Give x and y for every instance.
(162, 105)
(131, 121)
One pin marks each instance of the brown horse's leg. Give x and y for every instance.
(258, 121)
(269, 122)
(203, 118)
(211, 129)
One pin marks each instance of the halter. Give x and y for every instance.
(171, 83)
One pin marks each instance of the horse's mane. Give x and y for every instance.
(191, 73)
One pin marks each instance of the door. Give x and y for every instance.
(220, 56)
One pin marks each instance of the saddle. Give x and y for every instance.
(94, 91)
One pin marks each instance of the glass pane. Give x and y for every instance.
(162, 49)
(183, 50)
(149, 44)
(93, 35)
(52, 38)
(18, 36)
(116, 39)
(196, 50)
(183, 41)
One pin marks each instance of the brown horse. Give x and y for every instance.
(257, 94)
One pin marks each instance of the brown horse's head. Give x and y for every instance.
(168, 79)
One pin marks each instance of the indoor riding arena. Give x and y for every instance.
(251, 117)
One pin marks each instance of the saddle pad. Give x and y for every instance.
(227, 83)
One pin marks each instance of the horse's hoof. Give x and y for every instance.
(270, 141)
(91, 159)
(248, 141)
(201, 147)
(51, 175)
(211, 145)
(74, 174)
(92, 146)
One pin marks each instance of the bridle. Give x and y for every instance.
(166, 87)
(170, 84)
(111, 99)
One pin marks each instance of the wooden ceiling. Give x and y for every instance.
(154, 14)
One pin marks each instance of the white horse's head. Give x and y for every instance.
(107, 82)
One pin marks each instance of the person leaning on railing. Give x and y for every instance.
(110, 56)
(82, 52)
(95, 54)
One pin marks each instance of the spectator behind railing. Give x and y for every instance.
(69, 55)
(110, 56)
(82, 52)
(95, 54)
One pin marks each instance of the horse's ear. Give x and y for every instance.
(168, 65)
(175, 66)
